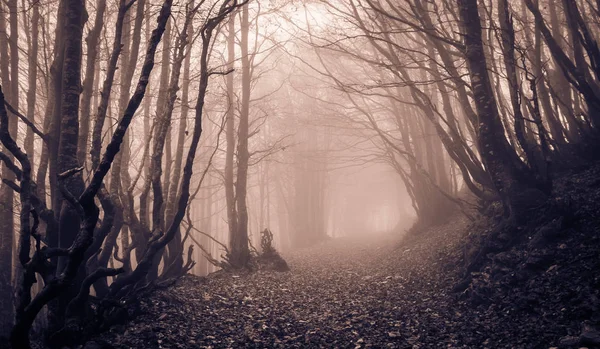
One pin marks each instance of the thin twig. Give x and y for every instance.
(23, 118)
(206, 234)
(69, 173)
(227, 72)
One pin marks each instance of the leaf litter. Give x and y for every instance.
(393, 293)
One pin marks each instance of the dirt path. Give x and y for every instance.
(343, 293)
(396, 293)
(377, 293)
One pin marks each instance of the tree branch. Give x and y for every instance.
(11, 165)
(26, 121)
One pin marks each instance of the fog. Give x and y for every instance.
(144, 140)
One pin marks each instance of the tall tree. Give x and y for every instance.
(7, 74)
(232, 217)
(92, 40)
(515, 184)
(240, 253)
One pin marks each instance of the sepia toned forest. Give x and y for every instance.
(363, 162)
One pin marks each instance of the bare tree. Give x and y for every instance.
(79, 199)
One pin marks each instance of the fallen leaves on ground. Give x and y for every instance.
(384, 293)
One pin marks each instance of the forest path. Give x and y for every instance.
(392, 292)
(349, 293)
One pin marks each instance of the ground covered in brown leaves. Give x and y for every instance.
(541, 290)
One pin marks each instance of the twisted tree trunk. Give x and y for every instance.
(513, 182)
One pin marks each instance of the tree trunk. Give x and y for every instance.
(576, 73)
(508, 49)
(174, 262)
(240, 253)
(158, 148)
(560, 85)
(69, 127)
(160, 240)
(107, 88)
(6, 195)
(512, 181)
(32, 77)
(92, 40)
(230, 134)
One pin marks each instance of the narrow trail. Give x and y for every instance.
(347, 293)
(394, 292)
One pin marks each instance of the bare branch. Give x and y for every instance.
(26, 121)
(69, 173)
(11, 165)
(223, 73)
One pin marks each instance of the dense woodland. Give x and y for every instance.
(144, 140)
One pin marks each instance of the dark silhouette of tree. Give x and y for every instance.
(82, 226)
(513, 181)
